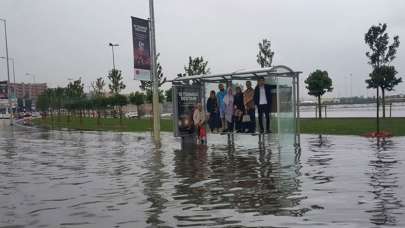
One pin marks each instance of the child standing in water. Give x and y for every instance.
(199, 121)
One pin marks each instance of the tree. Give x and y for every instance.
(196, 66)
(98, 86)
(59, 99)
(147, 85)
(75, 89)
(149, 96)
(137, 99)
(74, 93)
(169, 94)
(265, 55)
(43, 103)
(318, 83)
(381, 55)
(117, 83)
(120, 101)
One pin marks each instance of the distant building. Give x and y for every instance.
(27, 90)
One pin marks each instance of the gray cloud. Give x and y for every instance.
(57, 39)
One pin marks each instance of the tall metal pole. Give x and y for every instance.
(12, 61)
(13, 72)
(8, 72)
(113, 54)
(112, 49)
(156, 108)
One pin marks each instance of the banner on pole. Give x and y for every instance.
(142, 52)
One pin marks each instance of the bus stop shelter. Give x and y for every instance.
(285, 115)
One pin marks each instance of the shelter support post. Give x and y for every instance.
(278, 107)
(294, 79)
(297, 103)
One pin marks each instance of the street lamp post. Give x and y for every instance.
(8, 71)
(112, 49)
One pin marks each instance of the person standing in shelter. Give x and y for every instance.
(221, 95)
(239, 109)
(214, 121)
(229, 109)
(249, 107)
(199, 121)
(262, 98)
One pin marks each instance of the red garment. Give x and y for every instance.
(203, 132)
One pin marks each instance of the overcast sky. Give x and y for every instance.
(61, 39)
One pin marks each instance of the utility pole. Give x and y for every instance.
(155, 99)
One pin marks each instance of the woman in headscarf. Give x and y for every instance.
(239, 109)
(213, 110)
(229, 109)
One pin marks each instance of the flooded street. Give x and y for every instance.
(103, 179)
(353, 110)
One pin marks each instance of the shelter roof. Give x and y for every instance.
(276, 71)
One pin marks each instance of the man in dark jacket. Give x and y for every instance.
(262, 100)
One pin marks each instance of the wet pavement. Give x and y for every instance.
(104, 179)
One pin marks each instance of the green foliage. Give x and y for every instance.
(378, 39)
(147, 85)
(116, 79)
(265, 55)
(75, 89)
(383, 77)
(351, 126)
(120, 100)
(137, 98)
(169, 94)
(98, 86)
(149, 96)
(43, 101)
(381, 54)
(196, 66)
(318, 83)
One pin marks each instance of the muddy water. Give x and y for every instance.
(75, 179)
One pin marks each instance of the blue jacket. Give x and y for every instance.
(267, 89)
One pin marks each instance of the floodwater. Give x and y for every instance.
(354, 110)
(103, 179)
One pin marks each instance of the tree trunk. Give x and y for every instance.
(383, 101)
(81, 118)
(378, 111)
(52, 118)
(120, 116)
(58, 115)
(319, 107)
(98, 118)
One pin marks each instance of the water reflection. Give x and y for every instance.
(384, 182)
(153, 187)
(102, 179)
(246, 180)
(320, 159)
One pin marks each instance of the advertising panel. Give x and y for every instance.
(185, 99)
